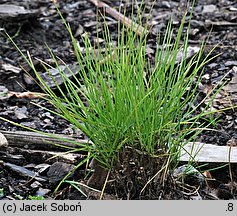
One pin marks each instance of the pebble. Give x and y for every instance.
(231, 63)
(214, 75)
(42, 168)
(190, 175)
(21, 113)
(212, 65)
(36, 184)
(209, 8)
(42, 192)
(206, 76)
(3, 92)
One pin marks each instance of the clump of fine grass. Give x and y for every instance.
(122, 100)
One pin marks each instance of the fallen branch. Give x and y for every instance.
(33, 140)
(120, 17)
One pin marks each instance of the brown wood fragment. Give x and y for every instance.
(120, 17)
(97, 179)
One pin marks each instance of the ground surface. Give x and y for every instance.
(39, 24)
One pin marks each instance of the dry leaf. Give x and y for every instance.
(26, 95)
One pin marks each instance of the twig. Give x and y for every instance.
(231, 143)
(120, 17)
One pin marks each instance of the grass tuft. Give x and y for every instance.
(122, 100)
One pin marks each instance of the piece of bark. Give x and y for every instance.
(58, 171)
(120, 17)
(11, 12)
(54, 78)
(39, 156)
(19, 170)
(11, 158)
(33, 140)
(202, 152)
(97, 179)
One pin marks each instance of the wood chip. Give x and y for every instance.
(14, 12)
(3, 141)
(23, 172)
(208, 153)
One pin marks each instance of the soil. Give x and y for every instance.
(32, 25)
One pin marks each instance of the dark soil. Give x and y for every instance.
(39, 25)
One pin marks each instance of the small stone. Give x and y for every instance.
(36, 184)
(3, 93)
(229, 117)
(194, 31)
(209, 8)
(42, 192)
(42, 168)
(46, 120)
(212, 65)
(206, 76)
(214, 75)
(198, 9)
(231, 63)
(165, 4)
(196, 24)
(223, 192)
(29, 124)
(21, 113)
(76, 195)
(189, 174)
(48, 115)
